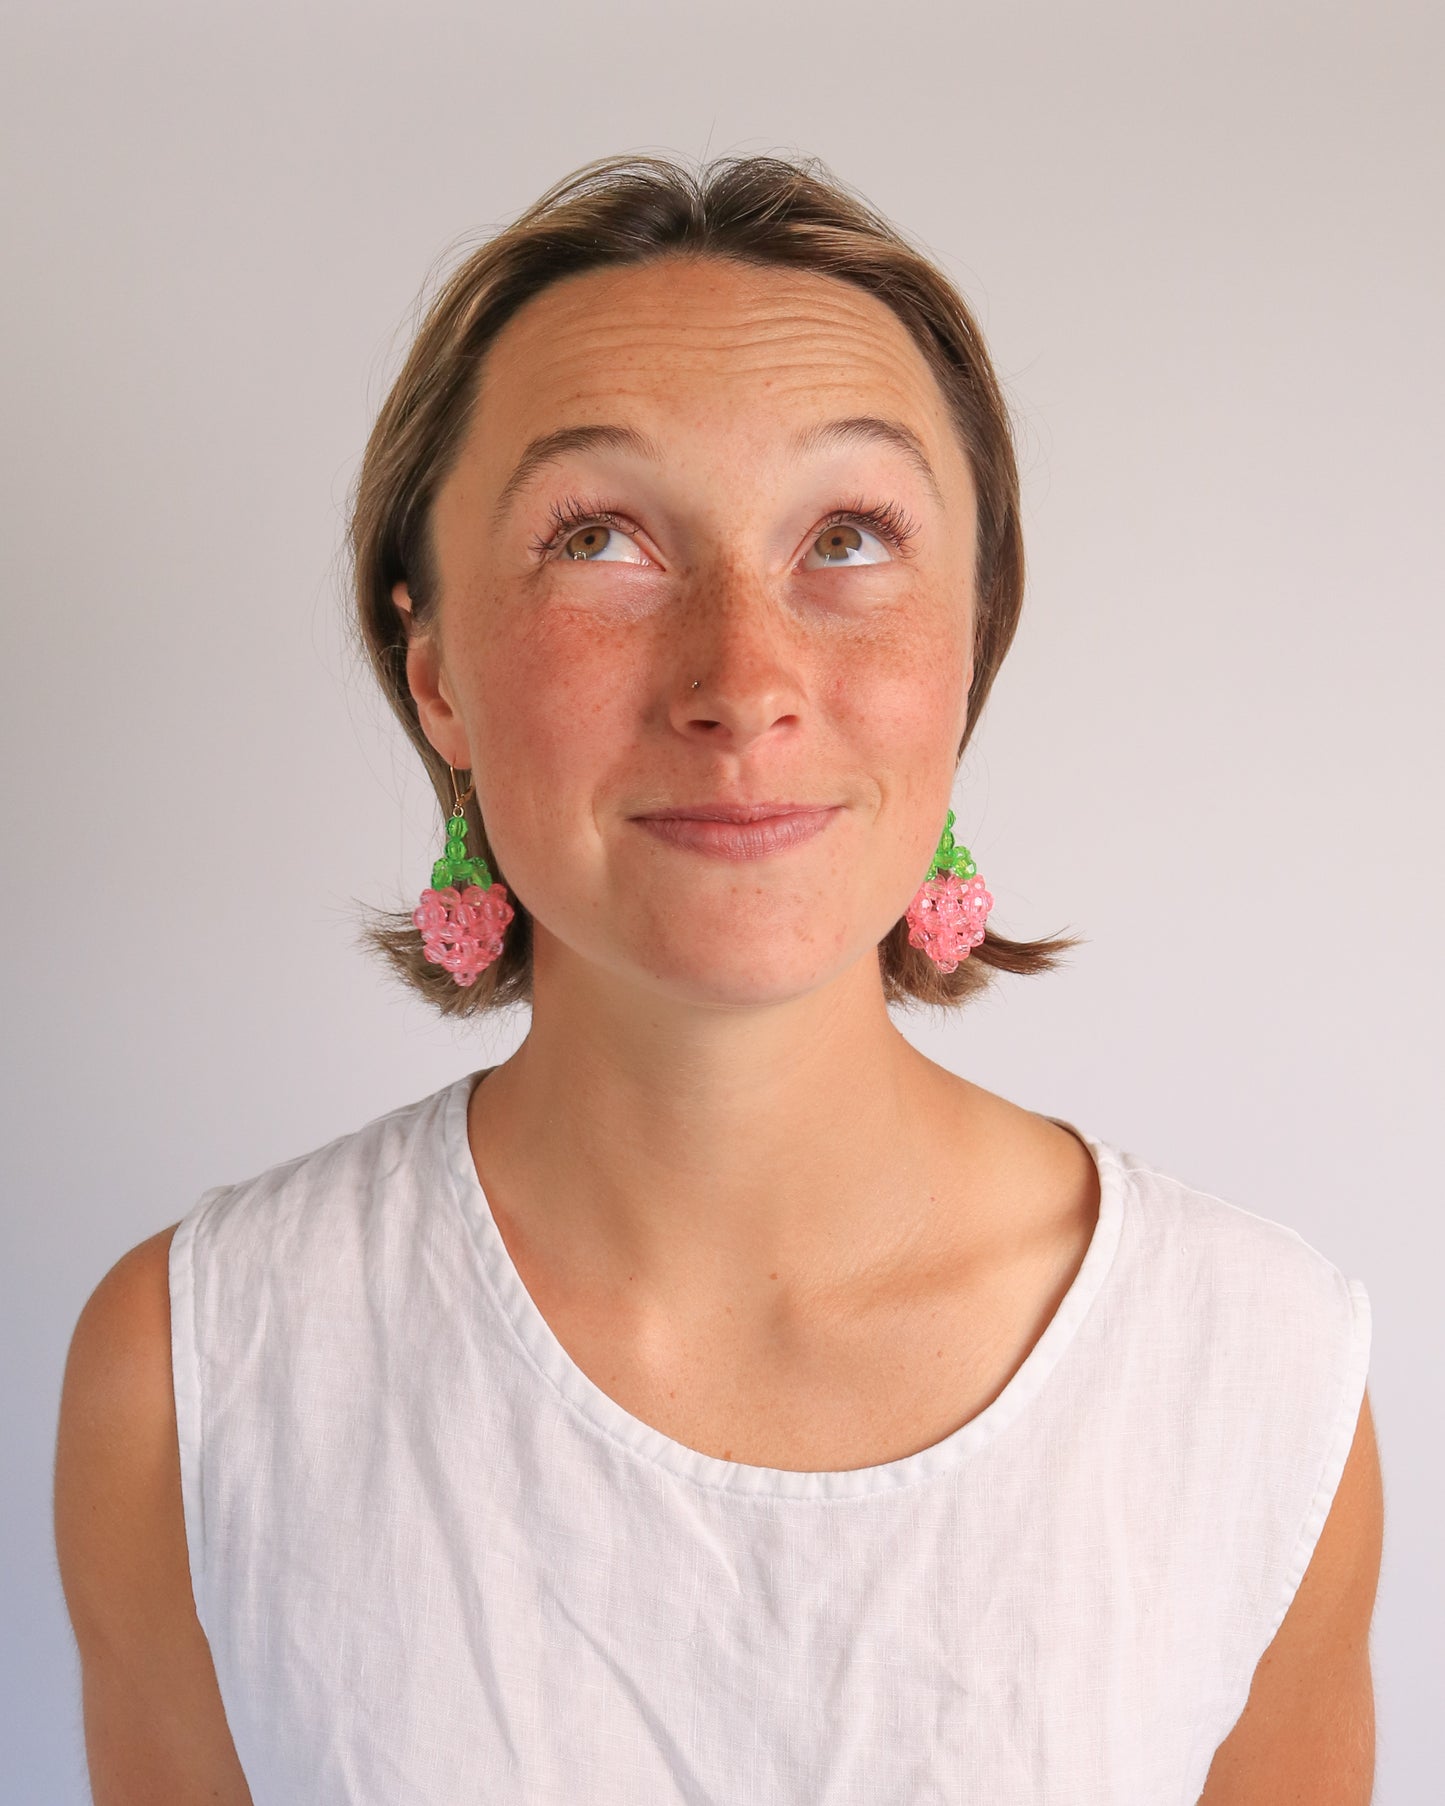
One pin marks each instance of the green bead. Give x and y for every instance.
(456, 827)
(950, 857)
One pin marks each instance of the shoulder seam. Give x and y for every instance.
(1231, 1204)
(1348, 1403)
(187, 1389)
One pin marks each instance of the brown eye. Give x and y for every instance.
(847, 543)
(837, 541)
(600, 541)
(586, 542)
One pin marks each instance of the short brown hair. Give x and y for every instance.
(759, 210)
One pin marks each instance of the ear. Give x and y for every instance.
(430, 687)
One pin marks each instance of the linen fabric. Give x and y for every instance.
(437, 1564)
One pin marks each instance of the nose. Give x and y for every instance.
(737, 671)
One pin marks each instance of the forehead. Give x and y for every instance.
(705, 343)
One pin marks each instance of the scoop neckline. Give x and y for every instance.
(711, 1472)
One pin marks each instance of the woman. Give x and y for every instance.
(717, 1400)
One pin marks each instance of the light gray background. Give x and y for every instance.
(1204, 245)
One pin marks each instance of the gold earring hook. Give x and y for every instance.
(462, 796)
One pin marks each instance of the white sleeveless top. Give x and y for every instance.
(437, 1564)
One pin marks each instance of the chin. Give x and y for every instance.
(743, 973)
(725, 958)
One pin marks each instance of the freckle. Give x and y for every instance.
(772, 1276)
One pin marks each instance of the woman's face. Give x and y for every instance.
(701, 527)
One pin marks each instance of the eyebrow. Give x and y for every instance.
(854, 429)
(864, 429)
(549, 448)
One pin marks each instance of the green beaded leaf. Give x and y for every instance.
(943, 856)
(460, 872)
(951, 857)
(454, 867)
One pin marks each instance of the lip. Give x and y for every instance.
(728, 831)
(735, 812)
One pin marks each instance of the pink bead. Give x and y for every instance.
(429, 915)
(461, 931)
(945, 919)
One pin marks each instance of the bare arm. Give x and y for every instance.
(1307, 1732)
(155, 1728)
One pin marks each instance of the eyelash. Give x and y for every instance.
(886, 519)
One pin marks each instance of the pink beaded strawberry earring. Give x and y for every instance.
(946, 918)
(463, 914)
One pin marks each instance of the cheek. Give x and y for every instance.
(902, 693)
(551, 703)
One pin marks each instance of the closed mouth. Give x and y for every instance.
(734, 812)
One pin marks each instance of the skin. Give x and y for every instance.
(763, 1222)
(747, 1134)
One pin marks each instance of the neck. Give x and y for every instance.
(692, 1152)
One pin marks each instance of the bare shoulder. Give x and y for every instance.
(1020, 1155)
(155, 1728)
(1033, 1177)
(1307, 1731)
